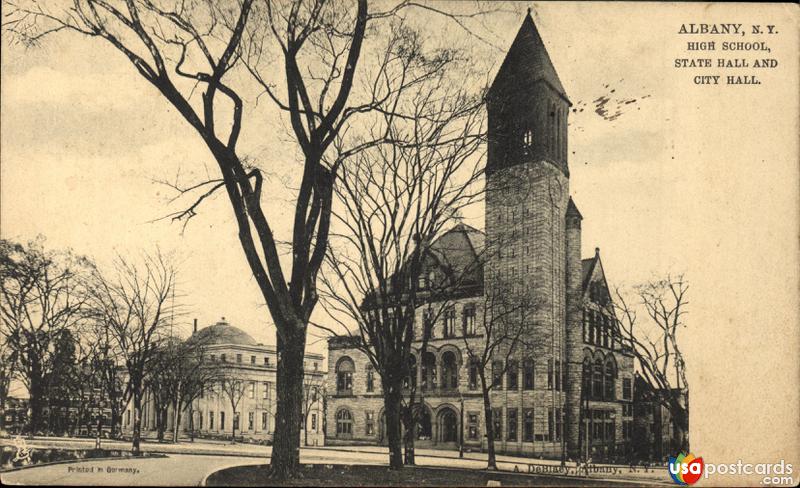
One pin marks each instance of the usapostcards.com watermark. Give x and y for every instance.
(686, 469)
(779, 473)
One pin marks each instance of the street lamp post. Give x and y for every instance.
(461, 429)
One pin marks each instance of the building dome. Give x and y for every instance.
(223, 333)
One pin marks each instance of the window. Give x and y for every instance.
(449, 323)
(222, 421)
(605, 331)
(252, 360)
(200, 421)
(527, 374)
(264, 420)
(428, 371)
(591, 327)
(344, 423)
(410, 381)
(427, 321)
(469, 320)
(238, 358)
(512, 375)
(473, 375)
(128, 417)
(497, 423)
(626, 389)
(597, 379)
(511, 421)
(559, 424)
(370, 378)
(422, 283)
(369, 428)
(316, 366)
(213, 358)
(527, 142)
(235, 420)
(449, 370)
(250, 420)
(313, 422)
(222, 358)
(266, 361)
(497, 374)
(252, 393)
(558, 375)
(527, 433)
(211, 420)
(627, 409)
(265, 395)
(344, 376)
(609, 383)
(472, 423)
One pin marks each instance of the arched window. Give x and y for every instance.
(527, 141)
(449, 370)
(410, 381)
(428, 371)
(344, 423)
(344, 376)
(597, 379)
(611, 374)
(587, 377)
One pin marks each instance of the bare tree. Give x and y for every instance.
(42, 295)
(136, 304)
(395, 199)
(313, 393)
(654, 344)
(504, 334)
(204, 47)
(232, 388)
(193, 374)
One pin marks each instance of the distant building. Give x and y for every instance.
(211, 415)
(656, 434)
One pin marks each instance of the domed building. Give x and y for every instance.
(245, 377)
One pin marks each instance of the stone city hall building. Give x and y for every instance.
(572, 392)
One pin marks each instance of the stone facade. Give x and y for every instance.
(254, 365)
(545, 404)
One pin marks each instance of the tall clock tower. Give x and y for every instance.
(526, 218)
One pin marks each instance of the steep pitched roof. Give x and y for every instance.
(527, 61)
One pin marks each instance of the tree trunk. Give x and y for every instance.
(392, 399)
(410, 436)
(36, 404)
(177, 430)
(491, 462)
(137, 423)
(285, 462)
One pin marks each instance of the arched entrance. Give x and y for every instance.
(448, 426)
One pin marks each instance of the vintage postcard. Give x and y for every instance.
(399, 243)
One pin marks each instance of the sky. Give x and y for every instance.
(670, 177)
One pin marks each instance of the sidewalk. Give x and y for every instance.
(370, 455)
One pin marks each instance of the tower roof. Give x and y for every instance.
(527, 61)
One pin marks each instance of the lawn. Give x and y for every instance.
(357, 475)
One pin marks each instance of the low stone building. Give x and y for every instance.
(253, 365)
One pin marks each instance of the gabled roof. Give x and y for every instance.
(527, 61)
(592, 270)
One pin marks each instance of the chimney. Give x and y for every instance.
(194, 327)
